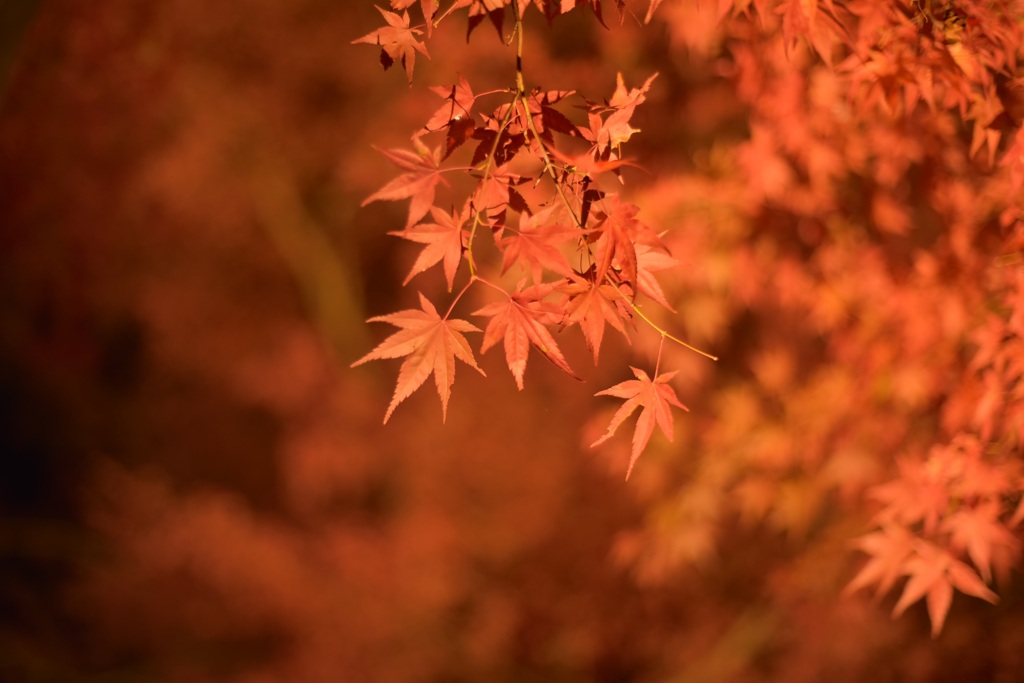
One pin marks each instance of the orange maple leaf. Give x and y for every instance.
(934, 573)
(397, 40)
(428, 7)
(889, 550)
(456, 115)
(419, 183)
(609, 134)
(443, 240)
(521, 321)
(537, 243)
(655, 397)
(432, 344)
(616, 234)
(648, 261)
(980, 532)
(592, 304)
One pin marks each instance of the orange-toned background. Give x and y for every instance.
(196, 487)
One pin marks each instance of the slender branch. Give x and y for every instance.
(665, 334)
(488, 166)
(549, 167)
(550, 170)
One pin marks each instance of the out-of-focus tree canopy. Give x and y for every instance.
(194, 486)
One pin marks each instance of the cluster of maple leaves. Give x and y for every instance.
(540, 198)
(902, 189)
(902, 183)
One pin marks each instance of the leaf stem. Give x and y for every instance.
(657, 363)
(458, 296)
(490, 284)
(655, 326)
(451, 8)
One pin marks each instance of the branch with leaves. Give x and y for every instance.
(907, 160)
(543, 194)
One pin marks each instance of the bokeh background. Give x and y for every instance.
(195, 486)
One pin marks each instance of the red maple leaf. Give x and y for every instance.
(586, 165)
(455, 114)
(419, 183)
(594, 5)
(656, 398)
(618, 232)
(432, 344)
(889, 550)
(608, 134)
(547, 119)
(480, 9)
(444, 240)
(496, 193)
(505, 142)
(397, 41)
(592, 304)
(520, 321)
(980, 532)
(549, 8)
(649, 261)
(934, 573)
(428, 7)
(537, 244)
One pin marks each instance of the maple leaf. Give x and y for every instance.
(504, 141)
(397, 41)
(656, 398)
(618, 231)
(889, 550)
(535, 244)
(987, 541)
(625, 98)
(649, 261)
(800, 19)
(419, 183)
(586, 165)
(496, 193)
(546, 118)
(444, 240)
(455, 115)
(594, 5)
(591, 304)
(920, 493)
(522, 321)
(432, 344)
(609, 134)
(549, 8)
(428, 7)
(985, 109)
(934, 573)
(480, 9)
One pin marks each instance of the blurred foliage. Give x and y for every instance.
(194, 487)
